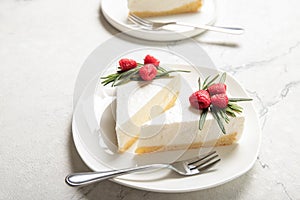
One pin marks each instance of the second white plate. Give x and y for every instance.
(117, 16)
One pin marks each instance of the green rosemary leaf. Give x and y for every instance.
(109, 76)
(239, 99)
(104, 77)
(106, 82)
(161, 69)
(202, 119)
(168, 72)
(199, 82)
(234, 106)
(224, 116)
(230, 112)
(136, 78)
(219, 121)
(116, 79)
(223, 78)
(236, 109)
(227, 118)
(210, 82)
(204, 82)
(221, 113)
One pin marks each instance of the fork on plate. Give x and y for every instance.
(188, 167)
(151, 25)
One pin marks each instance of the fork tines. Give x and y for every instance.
(136, 19)
(139, 21)
(204, 162)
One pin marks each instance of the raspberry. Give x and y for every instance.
(219, 100)
(200, 99)
(148, 72)
(151, 60)
(217, 88)
(127, 64)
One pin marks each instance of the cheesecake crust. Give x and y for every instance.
(224, 140)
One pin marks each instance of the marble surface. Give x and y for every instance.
(42, 47)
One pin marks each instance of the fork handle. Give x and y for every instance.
(85, 178)
(231, 30)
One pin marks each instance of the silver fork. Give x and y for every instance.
(151, 25)
(186, 168)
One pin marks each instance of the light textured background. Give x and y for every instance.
(42, 46)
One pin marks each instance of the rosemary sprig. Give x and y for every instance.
(239, 99)
(159, 68)
(168, 72)
(126, 79)
(235, 107)
(122, 77)
(215, 114)
(114, 78)
(224, 115)
(220, 115)
(202, 118)
(230, 112)
(223, 78)
(207, 83)
(199, 83)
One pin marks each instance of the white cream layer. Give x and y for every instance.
(177, 133)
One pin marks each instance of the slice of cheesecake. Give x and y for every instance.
(177, 129)
(151, 8)
(178, 134)
(139, 102)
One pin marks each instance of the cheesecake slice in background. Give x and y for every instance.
(152, 8)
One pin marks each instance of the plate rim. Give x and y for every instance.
(154, 36)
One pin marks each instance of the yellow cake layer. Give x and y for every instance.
(187, 8)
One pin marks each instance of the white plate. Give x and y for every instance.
(117, 16)
(93, 123)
